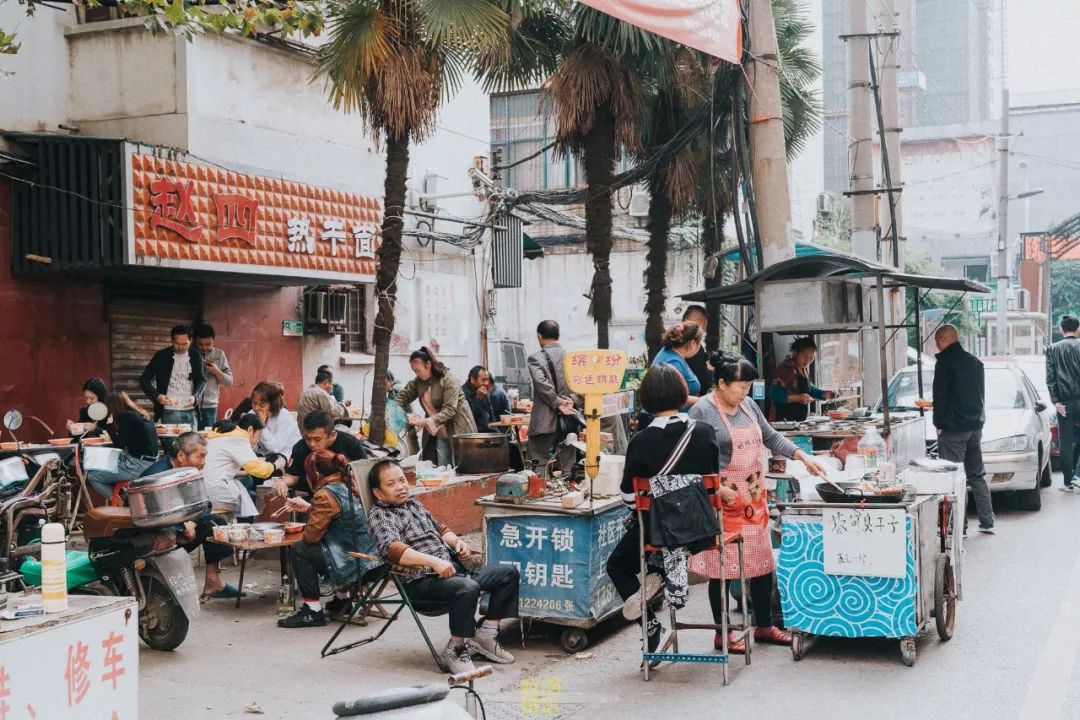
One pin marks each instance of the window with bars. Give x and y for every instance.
(520, 129)
(355, 337)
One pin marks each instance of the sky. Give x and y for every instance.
(1044, 51)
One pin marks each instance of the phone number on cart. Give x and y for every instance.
(556, 604)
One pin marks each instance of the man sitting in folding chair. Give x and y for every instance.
(335, 527)
(433, 579)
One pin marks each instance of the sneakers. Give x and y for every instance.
(304, 617)
(657, 636)
(338, 607)
(488, 646)
(457, 658)
(631, 609)
(1068, 487)
(989, 530)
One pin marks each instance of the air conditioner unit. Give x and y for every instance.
(325, 311)
(315, 308)
(639, 204)
(824, 203)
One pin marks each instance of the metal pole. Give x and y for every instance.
(919, 347)
(882, 352)
(1001, 346)
(886, 168)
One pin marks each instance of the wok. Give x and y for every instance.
(852, 493)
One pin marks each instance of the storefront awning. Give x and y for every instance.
(532, 249)
(109, 206)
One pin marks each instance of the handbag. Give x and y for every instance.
(681, 513)
(564, 424)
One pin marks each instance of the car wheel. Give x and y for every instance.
(1030, 500)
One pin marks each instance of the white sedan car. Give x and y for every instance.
(1015, 438)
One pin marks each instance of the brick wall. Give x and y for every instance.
(455, 504)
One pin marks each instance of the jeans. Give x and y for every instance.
(461, 595)
(129, 467)
(444, 449)
(179, 417)
(966, 447)
(1069, 434)
(207, 417)
(308, 564)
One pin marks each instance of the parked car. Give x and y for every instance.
(1016, 435)
(1034, 366)
(507, 365)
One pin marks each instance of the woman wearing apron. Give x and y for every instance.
(741, 433)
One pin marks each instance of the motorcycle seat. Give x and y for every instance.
(104, 521)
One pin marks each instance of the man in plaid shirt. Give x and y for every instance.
(432, 557)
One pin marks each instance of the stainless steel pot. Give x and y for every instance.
(167, 498)
(481, 453)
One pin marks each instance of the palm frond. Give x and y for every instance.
(531, 54)
(359, 42)
(470, 22)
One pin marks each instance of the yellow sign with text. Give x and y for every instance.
(594, 372)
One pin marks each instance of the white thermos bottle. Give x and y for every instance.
(53, 568)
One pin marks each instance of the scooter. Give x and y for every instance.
(144, 563)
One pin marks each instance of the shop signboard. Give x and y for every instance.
(712, 26)
(867, 543)
(562, 560)
(188, 215)
(292, 328)
(84, 664)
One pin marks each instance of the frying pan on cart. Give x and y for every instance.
(852, 493)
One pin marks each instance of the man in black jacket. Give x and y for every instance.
(174, 379)
(959, 399)
(1063, 382)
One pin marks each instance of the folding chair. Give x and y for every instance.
(642, 503)
(374, 586)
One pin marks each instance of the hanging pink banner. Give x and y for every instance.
(711, 26)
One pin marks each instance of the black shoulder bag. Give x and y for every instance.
(564, 424)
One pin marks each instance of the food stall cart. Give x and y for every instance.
(562, 555)
(561, 550)
(864, 568)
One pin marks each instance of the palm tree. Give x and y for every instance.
(596, 93)
(393, 62)
(670, 193)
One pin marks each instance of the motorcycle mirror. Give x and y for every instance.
(97, 411)
(13, 419)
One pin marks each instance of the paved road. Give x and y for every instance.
(1014, 656)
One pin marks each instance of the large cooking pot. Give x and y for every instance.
(482, 453)
(167, 498)
(850, 492)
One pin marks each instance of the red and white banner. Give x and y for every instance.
(711, 26)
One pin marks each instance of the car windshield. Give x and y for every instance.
(1003, 390)
(1036, 373)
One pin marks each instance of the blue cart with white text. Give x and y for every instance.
(867, 570)
(562, 556)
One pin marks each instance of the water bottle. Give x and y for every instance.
(285, 597)
(54, 568)
(872, 450)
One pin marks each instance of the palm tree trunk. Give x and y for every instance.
(389, 255)
(599, 156)
(656, 267)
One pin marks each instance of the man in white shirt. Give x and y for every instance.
(174, 378)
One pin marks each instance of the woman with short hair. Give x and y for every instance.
(662, 394)
(280, 432)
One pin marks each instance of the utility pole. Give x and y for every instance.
(1001, 346)
(767, 155)
(864, 234)
(892, 218)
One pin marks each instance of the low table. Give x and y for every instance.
(246, 547)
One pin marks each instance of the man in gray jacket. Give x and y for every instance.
(551, 397)
(218, 373)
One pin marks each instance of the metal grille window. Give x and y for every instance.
(520, 129)
(354, 339)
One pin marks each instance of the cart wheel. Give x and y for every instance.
(907, 651)
(574, 640)
(944, 597)
(798, 646)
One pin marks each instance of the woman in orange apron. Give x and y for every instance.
(742, 433)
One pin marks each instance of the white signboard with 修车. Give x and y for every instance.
(868, 543)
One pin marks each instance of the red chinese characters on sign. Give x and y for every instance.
(76, 673)
(113, 658)
(173, 208)
(579, 360)
(236, 217)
